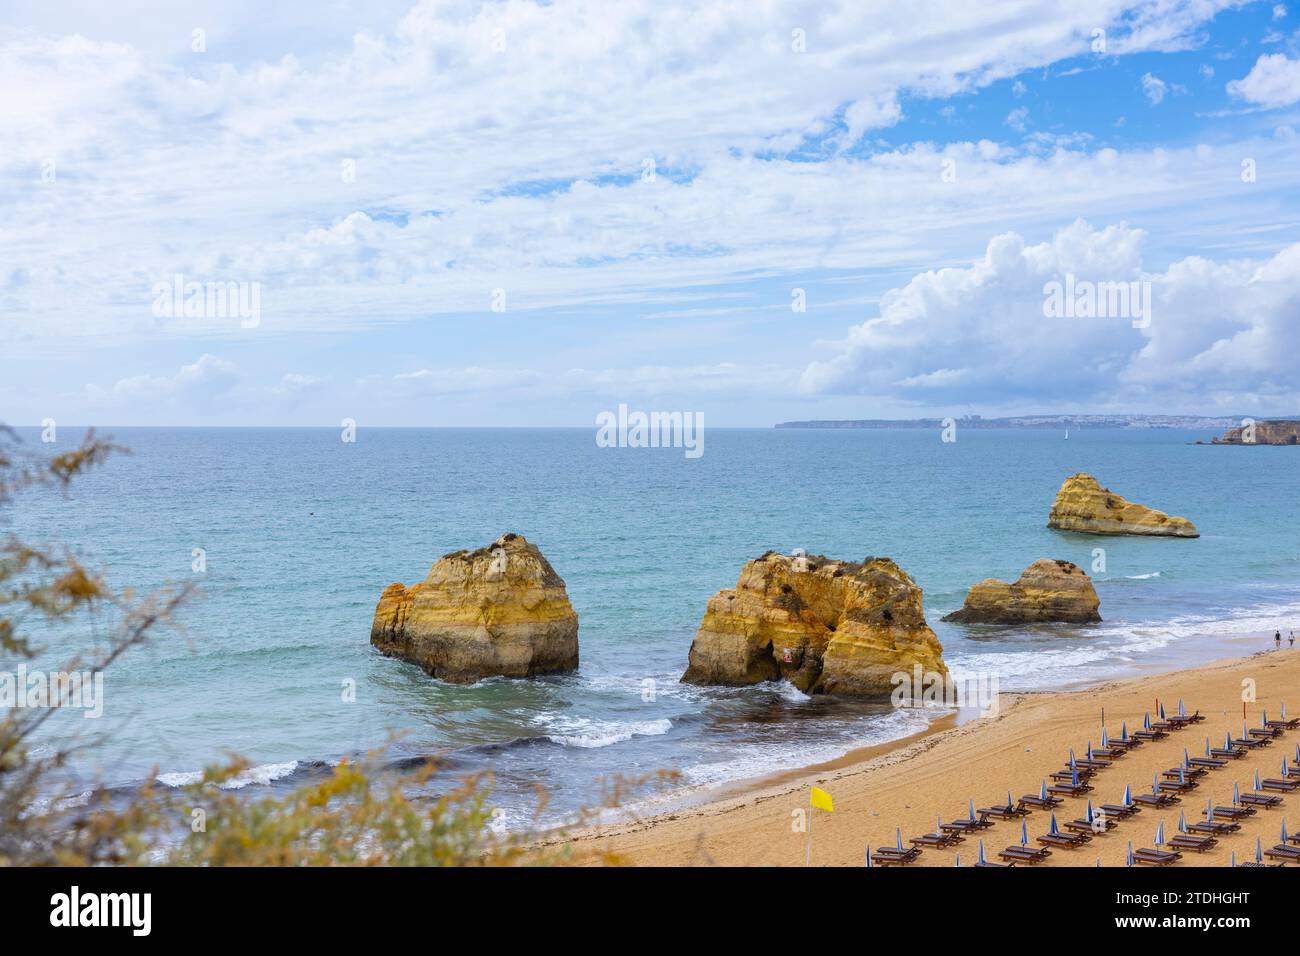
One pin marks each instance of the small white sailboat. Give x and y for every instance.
(1067, 434)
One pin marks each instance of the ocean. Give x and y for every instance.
(302, 531)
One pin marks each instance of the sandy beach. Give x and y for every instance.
(907, 783)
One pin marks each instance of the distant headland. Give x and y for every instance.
(1035, 421)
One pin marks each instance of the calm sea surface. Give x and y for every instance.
(303, 531)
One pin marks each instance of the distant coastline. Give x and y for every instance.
(1036, 421)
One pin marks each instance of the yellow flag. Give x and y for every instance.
(821, 799)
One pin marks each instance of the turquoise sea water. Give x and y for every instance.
(302, 531)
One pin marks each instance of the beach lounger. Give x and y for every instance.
(1216, 828)
(1109, 753)
(889, 855)
(1083, 826)
(1265, 800)
(1038, 803)
(1025, 854)
(1281, 786)
(1156, 857)
(1284, 852)
(999, 866)
(1068, 790)
(1187, 773)
(1158, 800)
(1004, 812)
(1233, 813)
(1264, 733)
(1068, 774)
(1184, 787)
(1227, 753)
(1090, 765)
(1250, 743)
(1207, 763)
(1065, 841)
(937, 839)
(1121, 812)
(1198, 844)
(1283, 724)
(1149, 735)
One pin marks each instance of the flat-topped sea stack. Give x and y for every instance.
(1047, 591)
(1279, 432)
(827, 626)
(1083, 505)
(498, 611)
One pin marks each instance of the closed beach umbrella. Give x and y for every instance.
(938, 824)
(1123, 731)
(1182, 711)
(1227, 741)
(1024, 833)
(1297, 753)
(1285, 836)
(1129, 862)
(1207, 746)
(958, 863)
(1209, 811)
(1284, 770)
(1042, 791)
(1074, 777)
(1186, 760)
(1105, 741)
(1008, 799)
(898, 837)
(1052, 829)
(1244, 735)
(1146, 720)
(1236, 795)
(1234, 859)
(1155, 782)
(970, 811)
(1162, 711)
(1284, 710)
(1088, 816)
(1128, 795)
(868, 856)
(1257, 786)
(1181, 778)
(1160, 834)
(982, 860)
(1072, 760)
(1182, 822)
(1259, 851)
(1089, 749)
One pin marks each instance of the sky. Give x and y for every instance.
(525, 213)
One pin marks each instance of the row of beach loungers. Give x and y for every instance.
(1167, 790)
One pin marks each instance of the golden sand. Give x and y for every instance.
(906, 784)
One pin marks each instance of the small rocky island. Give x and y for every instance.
(1278, 432)
(827, 626)
(1083, 505)
(498, 611)
(1047, 591)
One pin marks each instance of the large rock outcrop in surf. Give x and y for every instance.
(1083, 505)
(1279, 432)
(826, 626)
(498, 611)
(1047, 590)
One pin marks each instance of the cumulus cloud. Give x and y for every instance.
(1272, 82)
(1221, 332)
(1154, 88)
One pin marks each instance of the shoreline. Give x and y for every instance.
(905, 783)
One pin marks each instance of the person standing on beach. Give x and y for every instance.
(1277, 639)
(1293, 638)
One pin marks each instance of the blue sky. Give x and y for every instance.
(641, 189)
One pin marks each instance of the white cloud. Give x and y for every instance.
(1017, 119)
(208, 377)
(1220, 332)
(1273, 81)
(1154, 88)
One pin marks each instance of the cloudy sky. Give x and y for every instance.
(524, 213)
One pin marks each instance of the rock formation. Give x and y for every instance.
(827, 626)
(1280, 432)
(1046, 591)
(497, 611)
(1084, 505)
